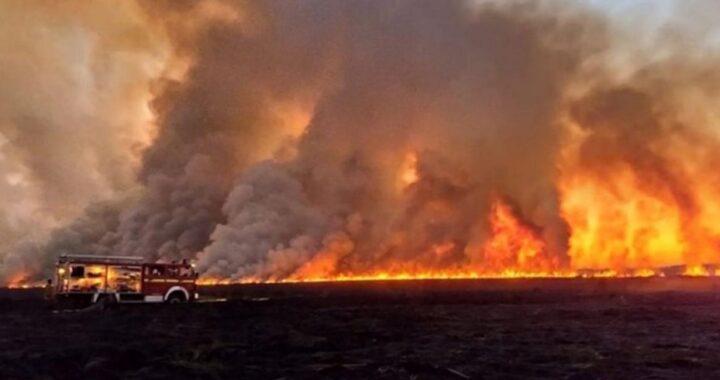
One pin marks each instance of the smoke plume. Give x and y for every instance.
(472, 95)
(73, 117)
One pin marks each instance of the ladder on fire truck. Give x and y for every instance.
(103, 259)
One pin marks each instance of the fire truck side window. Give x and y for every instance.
(124, 278)
(186, 271)
(77, 271)
(155, 270)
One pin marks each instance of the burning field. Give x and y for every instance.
(329, 149)
(285, 141)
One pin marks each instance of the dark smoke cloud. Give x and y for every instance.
(227, 112)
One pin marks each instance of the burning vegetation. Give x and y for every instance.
(283, 141)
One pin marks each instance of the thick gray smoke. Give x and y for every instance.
(229, 110)
(473, 94)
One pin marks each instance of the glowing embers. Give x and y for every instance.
(700, 271)
(399, 276)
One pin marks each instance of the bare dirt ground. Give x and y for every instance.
(519, 329)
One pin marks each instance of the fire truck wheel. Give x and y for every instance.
(176, 297)
(106, 300)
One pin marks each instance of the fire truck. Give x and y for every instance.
(88, 279)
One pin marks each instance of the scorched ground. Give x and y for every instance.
(504, 329)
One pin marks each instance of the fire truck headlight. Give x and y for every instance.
(61, 271)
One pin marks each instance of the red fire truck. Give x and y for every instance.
(87, 279)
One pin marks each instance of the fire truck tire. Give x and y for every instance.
(106, 300)
(176, 297)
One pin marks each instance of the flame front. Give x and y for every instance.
(617, 230)
(516, 250)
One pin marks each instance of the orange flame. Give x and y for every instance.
(21, 281)
(514, 246)
(514, 250)
(621, 227)
(620, 234)
(699, 271)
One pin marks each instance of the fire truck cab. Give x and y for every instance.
(87, 279)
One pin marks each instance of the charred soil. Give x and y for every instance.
(518, 329)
